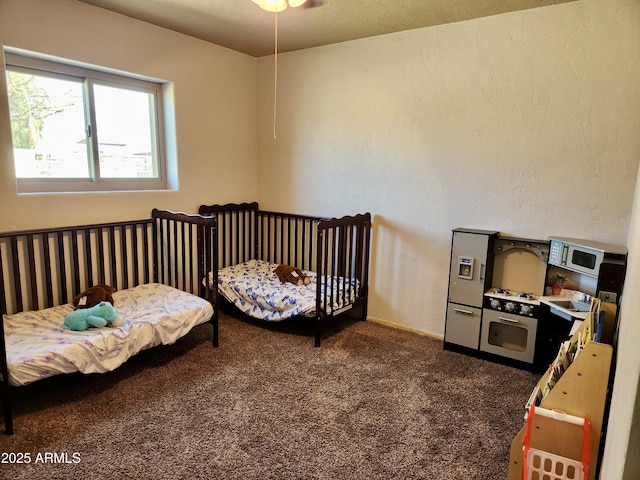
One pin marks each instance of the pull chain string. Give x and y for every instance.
(275, 77)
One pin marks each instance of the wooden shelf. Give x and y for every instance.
(581, 391)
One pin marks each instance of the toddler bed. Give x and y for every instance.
(255, 290)
(334, 253)
(153, 314)
(155, 266)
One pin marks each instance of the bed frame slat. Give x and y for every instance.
(62, 264)
(74, 260)
(99, 256)
(32, 271)
(85, 238)
(47, 271)
(136, 260)
(17, 273)
(158, 239)
(124, 264)
(111, 269)
(145, 259)
(3, 296)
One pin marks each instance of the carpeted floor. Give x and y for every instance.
(371, 403)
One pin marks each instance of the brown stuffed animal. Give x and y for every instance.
(294, 275)
(93, 296)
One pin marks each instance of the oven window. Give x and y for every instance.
(510, 337)
(583, 259)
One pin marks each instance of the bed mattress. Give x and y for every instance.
(153, 314)
(255, 290)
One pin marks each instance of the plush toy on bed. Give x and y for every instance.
(93, 296)
(97, 316)
(294, 275)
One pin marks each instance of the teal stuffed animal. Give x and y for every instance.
(97, 316)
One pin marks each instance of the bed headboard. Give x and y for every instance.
(236, 227)
(246, 232)
(48, 267)
(288, 238)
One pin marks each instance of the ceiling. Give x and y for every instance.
(241, 25)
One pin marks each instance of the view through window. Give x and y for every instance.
(75, 129)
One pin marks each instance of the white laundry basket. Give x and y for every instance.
(541, 465)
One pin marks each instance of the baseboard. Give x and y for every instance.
(404, 327)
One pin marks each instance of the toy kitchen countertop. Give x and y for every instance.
(569, 307)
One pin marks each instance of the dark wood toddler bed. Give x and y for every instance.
(156, 267)
(333, 252)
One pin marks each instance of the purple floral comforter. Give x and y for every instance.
(153, 314)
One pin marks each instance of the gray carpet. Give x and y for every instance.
(371, 403)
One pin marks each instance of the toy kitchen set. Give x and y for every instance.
(500, 303)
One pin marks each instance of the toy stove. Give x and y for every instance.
(517, 303)
(509, 324)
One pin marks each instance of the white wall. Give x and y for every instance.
(623, 429)
(527, 123)
(214, 96)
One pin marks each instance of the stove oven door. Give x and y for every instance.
(507, 335)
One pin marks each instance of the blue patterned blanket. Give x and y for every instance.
(254, 289)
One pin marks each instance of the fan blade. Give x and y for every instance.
(312, 3)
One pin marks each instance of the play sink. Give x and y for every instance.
(571, 305)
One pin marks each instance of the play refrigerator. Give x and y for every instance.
(470, 273)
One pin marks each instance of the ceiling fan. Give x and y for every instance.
(280, 5)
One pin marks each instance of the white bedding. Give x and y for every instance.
(254, 289)
(153, 314)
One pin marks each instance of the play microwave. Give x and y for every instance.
(582, 256)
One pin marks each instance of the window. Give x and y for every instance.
(77, 129)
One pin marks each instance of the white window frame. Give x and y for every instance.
(89, 77)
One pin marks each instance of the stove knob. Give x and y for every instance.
(495, 303)
(510, 307)
(525, 310)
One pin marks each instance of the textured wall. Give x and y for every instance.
(213, 96)
(623, 429)
(526, 123)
